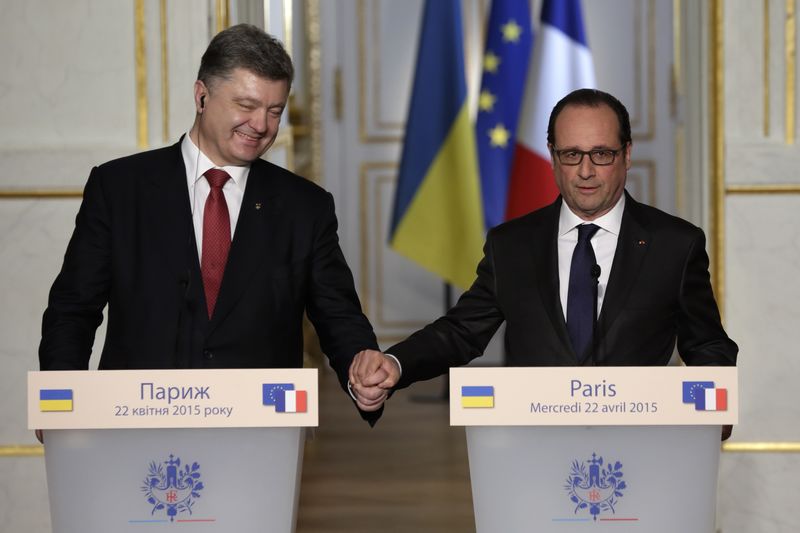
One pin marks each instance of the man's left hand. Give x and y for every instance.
(372, 376)
(726, 433)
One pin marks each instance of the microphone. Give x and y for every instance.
(595, 272)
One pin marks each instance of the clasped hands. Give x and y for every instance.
(372, 375)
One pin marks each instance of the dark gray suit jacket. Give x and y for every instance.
(658, 291)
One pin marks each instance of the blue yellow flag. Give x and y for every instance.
(54, 400)
(509, 37)
(477, 396)
(437, 219)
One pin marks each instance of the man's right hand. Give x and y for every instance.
(372, 375)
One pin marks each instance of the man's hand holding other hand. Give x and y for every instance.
(372, 376)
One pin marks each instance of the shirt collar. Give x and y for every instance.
(611, 221)
(197, 164)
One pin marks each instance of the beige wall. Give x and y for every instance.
(757, 227)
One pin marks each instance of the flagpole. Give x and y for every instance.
(448, 297)
(448, 303)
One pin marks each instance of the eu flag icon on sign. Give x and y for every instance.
(270, 392)
(54, 400)
(691, 389)
(472, 396)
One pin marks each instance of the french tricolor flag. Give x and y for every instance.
(561, 63)
(711, 400)
(291, 401)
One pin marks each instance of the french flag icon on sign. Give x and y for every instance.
(291, 401)
(712, 400)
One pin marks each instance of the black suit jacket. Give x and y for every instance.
(658, 291)
(134, 248)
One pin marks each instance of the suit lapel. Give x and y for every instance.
(632, 246)
(252, 239)
(545, 240)
(168, 215)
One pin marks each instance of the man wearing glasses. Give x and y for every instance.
(596, 278)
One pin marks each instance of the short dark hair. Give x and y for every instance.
(248, 47)
(591, 98)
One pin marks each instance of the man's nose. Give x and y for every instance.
(258, 120)
(586, 167)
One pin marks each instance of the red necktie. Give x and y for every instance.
(216, 237)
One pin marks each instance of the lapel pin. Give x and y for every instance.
(258, 205)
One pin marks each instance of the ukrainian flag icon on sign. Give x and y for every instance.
(55, 400)
(472, 396)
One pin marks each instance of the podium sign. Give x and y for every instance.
(198, 450)
(172, 398)
(609, 396)
(571, 449)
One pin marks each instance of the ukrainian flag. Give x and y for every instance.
(55, 400)
(477, 396)
(437, 219)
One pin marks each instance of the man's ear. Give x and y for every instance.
(200, 93)
(628, 150)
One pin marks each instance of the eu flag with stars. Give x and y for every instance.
(692, 388)
(270, 392)
(505, 66)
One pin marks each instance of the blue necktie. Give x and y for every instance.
(582, 296)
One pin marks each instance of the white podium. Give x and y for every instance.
(575, 449)
(201, 450)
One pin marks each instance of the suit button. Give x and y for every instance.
(208, 355)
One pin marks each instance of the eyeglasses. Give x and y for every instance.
(601, 157)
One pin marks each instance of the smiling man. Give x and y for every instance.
(596, 278)
(206, 255)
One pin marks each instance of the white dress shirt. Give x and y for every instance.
(197, 164)
(604, 244)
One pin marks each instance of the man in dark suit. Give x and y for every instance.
(207, 255)
(595, 278)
